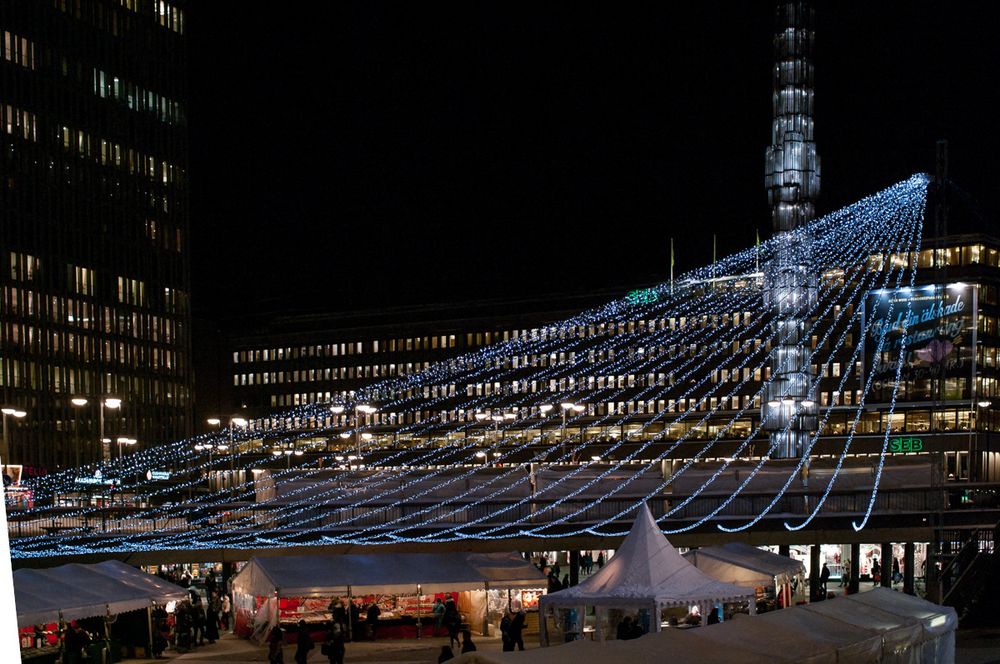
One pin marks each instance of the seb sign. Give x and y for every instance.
(899, 445)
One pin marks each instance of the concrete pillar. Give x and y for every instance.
(574, 567)
(853, 584)
(886, 562)
(909, 552)
(785, 550)
(814, 568)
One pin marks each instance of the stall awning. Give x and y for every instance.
(84, 591)
(389, 573)
(744, 565)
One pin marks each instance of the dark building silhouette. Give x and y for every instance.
(94, 263)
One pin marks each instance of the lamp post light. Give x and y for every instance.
(367, 410)
(113, 403)
(122, 441)
(13, 412)
(78, 403)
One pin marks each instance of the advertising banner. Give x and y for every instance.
(938, 358)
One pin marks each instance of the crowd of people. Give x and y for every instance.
(196, 621)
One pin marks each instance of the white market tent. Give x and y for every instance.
(332, 575)
(876, 627)
(647, 573)
(388, 573)
(745, 565)
(84, 591)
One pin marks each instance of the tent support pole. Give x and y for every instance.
(149, 623)
(486, 608)
(656, 617)
(350, 615)
(598, 629)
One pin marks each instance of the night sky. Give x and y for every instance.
(348, 156)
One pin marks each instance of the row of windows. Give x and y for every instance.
(26, 374)
(600, 409)
(17, 303)
(18, 122)
(486, 338)
(60, 343)
(163, 13)
(109, 153)
(974, 254)
(25, 267)
(135, 97)
(19, 50)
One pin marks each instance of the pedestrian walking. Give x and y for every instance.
(335, 647)
(227, 607)
(275, 646)
(516, 629)
(505, 622)
(453, 621)
(212, 618)
(824, 578)
(303, 643)
(876, 572)
(600, 560)
(372, 619)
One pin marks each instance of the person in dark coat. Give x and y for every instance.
(335, 648)
(74, 641)
(453, 621)
(713, 617)
(505, 622)
(275, 645)
(197, 620)
(624, 629)
(600, 560)
(516, 628)
(824, 577)
(372, 619)
(354, 634)
(467, 644)
(876, 572)
(303, 643)
(212, 618)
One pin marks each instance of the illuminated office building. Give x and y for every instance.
(94, 263)
(947, 397)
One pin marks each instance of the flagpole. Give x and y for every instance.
(756, 253)
(671, 267)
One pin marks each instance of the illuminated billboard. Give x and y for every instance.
(939, 342)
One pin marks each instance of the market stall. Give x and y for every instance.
(646, 578)
(285, 589)
(770, 574)
(44, 597)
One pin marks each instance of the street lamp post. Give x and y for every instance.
(15, 412)
(78, 403)
(367, 410)
(112, 403)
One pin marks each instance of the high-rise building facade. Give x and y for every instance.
(94, 263)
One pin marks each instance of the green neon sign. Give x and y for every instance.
(897, 445)
(643, 296)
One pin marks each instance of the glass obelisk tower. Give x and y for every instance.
(792, 180)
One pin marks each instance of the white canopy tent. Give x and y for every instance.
(84, 591)
(646, 573)
(745, 565)
(383, 573)
(389, 573)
